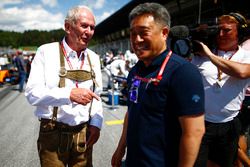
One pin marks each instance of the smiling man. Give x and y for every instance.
(65, 84)
(165, 120)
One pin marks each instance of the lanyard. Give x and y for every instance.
(219, 75)
(159, 75)
(68, 61)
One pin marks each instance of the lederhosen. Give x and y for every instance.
(48, 126)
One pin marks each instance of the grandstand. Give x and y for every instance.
(113, 32)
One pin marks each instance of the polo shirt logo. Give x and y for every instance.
(196, 98)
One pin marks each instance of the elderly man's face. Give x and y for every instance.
(227, 38)
(148, 38)
(82, 31)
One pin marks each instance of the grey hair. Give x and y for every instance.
(74, 13)
(159, 12)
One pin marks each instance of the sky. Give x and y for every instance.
(21, 15)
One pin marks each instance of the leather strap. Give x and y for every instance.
(62, 64)
(77, 75)
(60, 85)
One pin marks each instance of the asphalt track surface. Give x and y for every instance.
(19, 131)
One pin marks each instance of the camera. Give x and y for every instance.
(183, 40)
(205, 34)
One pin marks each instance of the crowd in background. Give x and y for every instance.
(15, 67)
(117, 65)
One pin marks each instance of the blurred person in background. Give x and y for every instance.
(20, 65)
(130, 59)
(117, 68)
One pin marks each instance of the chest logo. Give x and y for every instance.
(196, 98)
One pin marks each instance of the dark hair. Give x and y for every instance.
(158, 11)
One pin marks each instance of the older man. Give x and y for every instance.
(64, 84)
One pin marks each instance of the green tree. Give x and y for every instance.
(29, 38)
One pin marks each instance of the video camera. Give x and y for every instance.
(183, 39)
(206, 34)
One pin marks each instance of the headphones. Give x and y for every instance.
(242, 24)
(241, 19)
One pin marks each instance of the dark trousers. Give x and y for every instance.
(62, 145)
(244, 115)
(22, 79)
(219, 144)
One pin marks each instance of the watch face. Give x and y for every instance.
(62, 72)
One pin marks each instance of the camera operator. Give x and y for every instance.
(233, 68)
(225, 76)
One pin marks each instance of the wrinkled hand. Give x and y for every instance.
(116, 160)
(82, 96)
(94, 134)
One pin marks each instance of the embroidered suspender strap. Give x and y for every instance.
(77, 75)
(62, 68)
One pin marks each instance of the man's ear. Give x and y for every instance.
(67, 27)
(165, 32)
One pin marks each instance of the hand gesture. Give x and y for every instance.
(82, 96)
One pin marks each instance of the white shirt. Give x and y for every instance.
(223, 98)
(43, 92)
(246, 45)
(131, 57)
(118, 68)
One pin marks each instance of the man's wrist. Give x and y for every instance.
(96, 121)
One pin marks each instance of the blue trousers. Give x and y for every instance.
(22, 79)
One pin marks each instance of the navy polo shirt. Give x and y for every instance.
(154, 131)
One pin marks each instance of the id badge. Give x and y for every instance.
(133, 92)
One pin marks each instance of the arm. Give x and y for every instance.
(120, 150)
(42, 86)
(235, 69)
(193, 129)
(242, 151)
